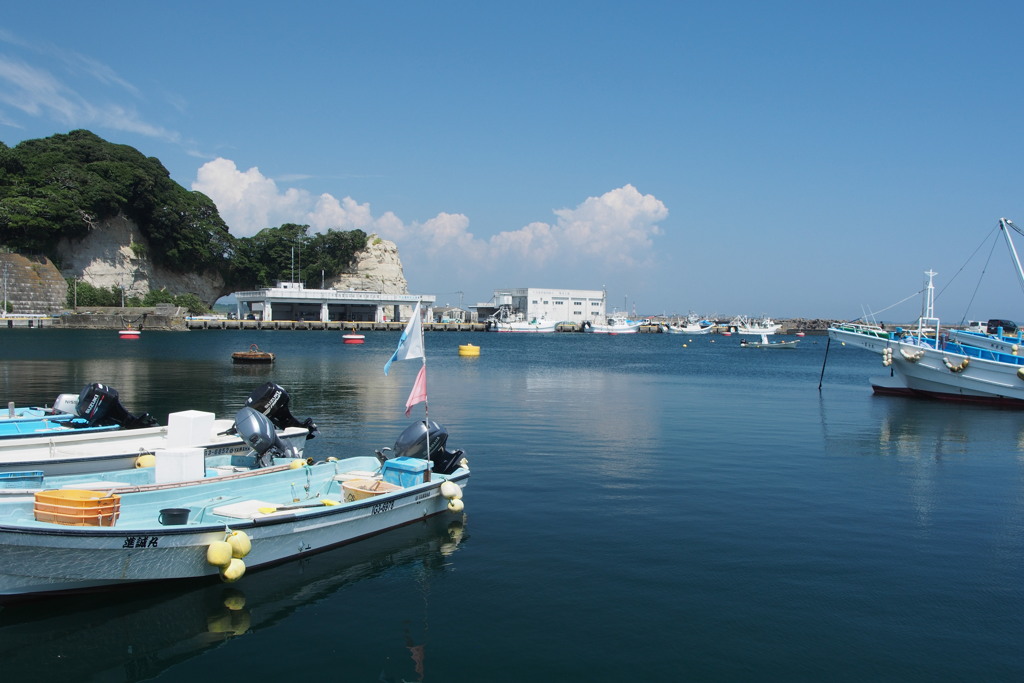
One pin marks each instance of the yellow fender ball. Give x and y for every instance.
(296, 464)
(219, 553)
(456, 505)
(451, 490)
(240, 544)
(233, 572)
(147, 460)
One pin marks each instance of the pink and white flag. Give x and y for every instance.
(419, 390)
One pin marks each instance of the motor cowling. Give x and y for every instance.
(259, 434)
(99, 405)
(412, 443)
(272, 400)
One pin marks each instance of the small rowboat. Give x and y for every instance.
(253, 355)
(129, 333)
(353, 338)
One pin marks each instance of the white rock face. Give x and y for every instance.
(105, 258)
(378, 269)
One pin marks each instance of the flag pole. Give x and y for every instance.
(426, 405)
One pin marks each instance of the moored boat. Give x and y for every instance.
(931, 362)
(693, 324)
(743, 325)
(224, 527)
(617, 323)
(506, 319)
(765, 344)
(78, 451)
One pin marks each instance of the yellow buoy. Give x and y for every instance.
(469, 350)
(451, 490)
(296, 464)
(146, 460)
(456, 505)
(219, 553)
(233, 572)
(240, 544)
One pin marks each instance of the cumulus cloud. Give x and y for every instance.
(616, 228)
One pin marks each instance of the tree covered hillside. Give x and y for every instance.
(65, 185)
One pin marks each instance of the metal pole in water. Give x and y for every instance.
(824, 360)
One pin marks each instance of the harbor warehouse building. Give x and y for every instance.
(561, 305)
(292, 301)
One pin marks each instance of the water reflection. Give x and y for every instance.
(136, 633)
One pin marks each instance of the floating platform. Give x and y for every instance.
(253, 355)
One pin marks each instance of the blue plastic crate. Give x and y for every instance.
(406, 471)
(30, 479)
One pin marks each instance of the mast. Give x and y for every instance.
(1004, 225)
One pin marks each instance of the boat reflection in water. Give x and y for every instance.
(137, 632)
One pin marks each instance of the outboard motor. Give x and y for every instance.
(272, 400)
(99, 405)
(259, 433)
(412, 443)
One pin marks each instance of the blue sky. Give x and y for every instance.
(784, 158)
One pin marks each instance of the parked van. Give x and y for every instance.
(977, 326)
(1009, 327)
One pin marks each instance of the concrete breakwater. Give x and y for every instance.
(178, 323)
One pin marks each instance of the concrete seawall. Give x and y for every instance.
(178, 323)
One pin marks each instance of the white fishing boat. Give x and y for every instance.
(617, 323)
(171, 468)
(934, 364)
(693, 324)
(506, 319)
(765, 344)
(80, 451)
(73, 540)
(741, 324)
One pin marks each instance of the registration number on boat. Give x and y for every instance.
(386, 506)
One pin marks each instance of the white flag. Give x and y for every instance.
(411, 343)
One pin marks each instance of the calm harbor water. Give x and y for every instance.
(642, 507)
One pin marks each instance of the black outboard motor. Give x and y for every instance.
(412, 443)
(272, 400)
(259, 433)
(99, 405)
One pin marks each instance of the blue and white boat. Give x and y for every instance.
(171, 468)
(82, 451)
(221, 527)
(932, 362)
(617, 323)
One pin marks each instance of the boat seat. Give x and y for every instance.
(248, 509)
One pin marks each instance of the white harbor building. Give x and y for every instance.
(559, 305)
(292, 301)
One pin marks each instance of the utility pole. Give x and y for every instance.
(6, 267)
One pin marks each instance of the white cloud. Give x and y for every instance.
(36, 92)
(614, 229)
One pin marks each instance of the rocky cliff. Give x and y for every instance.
(114, 254)
(378, 269)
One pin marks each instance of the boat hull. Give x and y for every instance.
(949, 373)
(118, 449)
(523, 327)
(41, 559)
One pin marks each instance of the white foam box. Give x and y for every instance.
(179, 464)
(189, 428)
